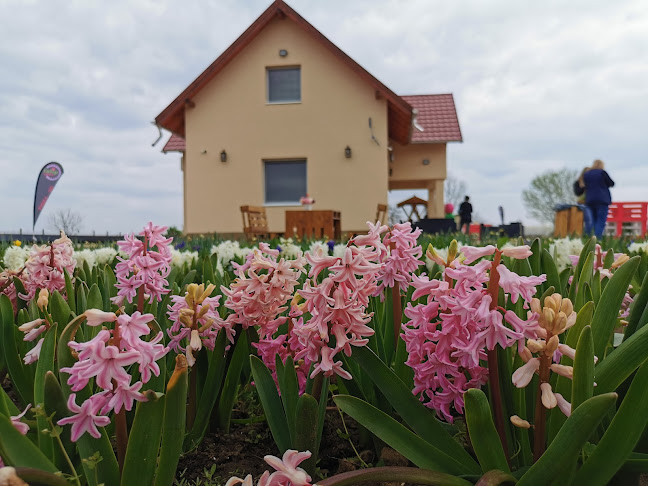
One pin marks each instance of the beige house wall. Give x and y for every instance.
(232, 114)
(409, 171)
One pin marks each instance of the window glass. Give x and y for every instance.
(284, 85)
(285, 181)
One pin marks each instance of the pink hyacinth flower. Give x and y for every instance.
(328, 367)
(21, 427)
(516, 285)
(287, 468)
(109, 365)
(124, 396)
(33, 354)
(135, 326)
(87, 417)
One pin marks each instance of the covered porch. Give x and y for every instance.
(434, 187)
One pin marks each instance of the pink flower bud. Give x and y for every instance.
(190, 357)
(28, 326)
(473, 253)
(562, 370)
(519, 422)
(523, 375)
(548, 398)
(567, 351)
(97, 317)
(517, 252)
(525, 354)
(563, 405)
(43, 299)
(195, 342)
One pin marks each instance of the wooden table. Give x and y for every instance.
(320, 224)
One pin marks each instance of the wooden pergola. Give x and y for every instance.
(411, 208)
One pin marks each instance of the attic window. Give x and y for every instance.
(284, 85)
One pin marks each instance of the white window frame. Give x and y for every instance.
(282, 68)
(290, 160)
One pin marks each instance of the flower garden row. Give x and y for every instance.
(492, 364)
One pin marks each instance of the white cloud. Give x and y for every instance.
(537, 85)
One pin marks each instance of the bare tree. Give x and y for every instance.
(547, 190)
(67, 220)
(396, 215)
(454, 190)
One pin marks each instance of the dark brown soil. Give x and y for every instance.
(241, 451)
(6, 386)
(235, 454)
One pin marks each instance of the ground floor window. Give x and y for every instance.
(285, 181)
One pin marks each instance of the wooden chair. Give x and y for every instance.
(381, 213)
(255, 222)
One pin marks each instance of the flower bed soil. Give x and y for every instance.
(241, 451)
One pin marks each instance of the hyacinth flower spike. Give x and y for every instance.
(109, 358)
(555, 316)
(457, 326)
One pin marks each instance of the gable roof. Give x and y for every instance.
(399, 111)
(437, 116)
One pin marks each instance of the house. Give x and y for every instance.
(283, 113)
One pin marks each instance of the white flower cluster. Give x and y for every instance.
(180, 258)
(226, 251)
(317, 245)
(339, 249)
(99, 256)
(15, 257)
(289, 249)
(561, 248)
(104, 256)
(638, 247)
(85, 256)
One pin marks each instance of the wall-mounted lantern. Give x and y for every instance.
(223, 156)
(347, 152)
(426, 161)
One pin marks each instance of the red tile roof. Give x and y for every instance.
(174, 144)
(437, 116)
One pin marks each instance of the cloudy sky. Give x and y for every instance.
(538, 86)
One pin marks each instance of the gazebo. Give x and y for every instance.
(411, 208)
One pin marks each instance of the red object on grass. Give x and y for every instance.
(628, 212)
(475, 228)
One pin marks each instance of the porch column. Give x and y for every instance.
(435, 199)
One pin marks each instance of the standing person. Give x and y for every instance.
(465, 215)
(597, 195)
(579, 190)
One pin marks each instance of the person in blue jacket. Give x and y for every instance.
(597, 195)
